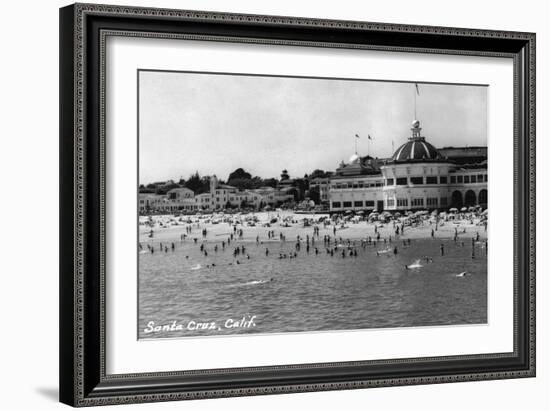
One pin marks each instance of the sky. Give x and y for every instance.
(215, 123)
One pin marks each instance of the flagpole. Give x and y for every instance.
(415, 91)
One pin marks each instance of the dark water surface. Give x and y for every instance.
(310, 292)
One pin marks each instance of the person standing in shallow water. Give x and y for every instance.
(442, 249)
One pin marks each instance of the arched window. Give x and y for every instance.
(456, 199)
(470, 198)
(482, 199)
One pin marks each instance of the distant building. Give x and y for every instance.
(219, 193)
(417, 176)
(152, 203)
(323, 183)
(182, 198)
(202, 201)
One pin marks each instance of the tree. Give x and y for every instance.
(301, 185)
(270, 182)
(194, 183)
(318, 174)
(205, 185)
(164, 189)
(284, 175)
(238, 174)
(315, 194)
(295, 193)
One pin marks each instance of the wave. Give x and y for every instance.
(256, 282)
(416, 264)
(196, 267)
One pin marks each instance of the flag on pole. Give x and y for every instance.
(417, 91)
(357, 136)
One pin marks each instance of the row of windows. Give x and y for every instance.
(241, 198)
(479, 178)
(431, 202)
(347, 204)
(403, 181)
(356, 185)
(174, 196)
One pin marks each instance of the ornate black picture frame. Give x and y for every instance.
(83, 30)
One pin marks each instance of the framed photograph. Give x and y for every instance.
(261, 204)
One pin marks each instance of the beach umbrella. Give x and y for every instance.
(398, 214)
(349, 211)
(361, 212)
(453, 210)
(463, 209)
(485, 212)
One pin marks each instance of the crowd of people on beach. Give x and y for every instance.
(311, 241)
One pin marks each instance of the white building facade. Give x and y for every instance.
(417, 176)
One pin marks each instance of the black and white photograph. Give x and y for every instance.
(281, 204)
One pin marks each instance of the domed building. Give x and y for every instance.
(416, 149)
(416, 176)
(419, 176)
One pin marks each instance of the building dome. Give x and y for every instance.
(354, 158)
(417, 148)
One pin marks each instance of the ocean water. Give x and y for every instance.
(183, 289)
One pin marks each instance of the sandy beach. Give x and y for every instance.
(170, 228)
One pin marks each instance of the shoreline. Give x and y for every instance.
(170, 228)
